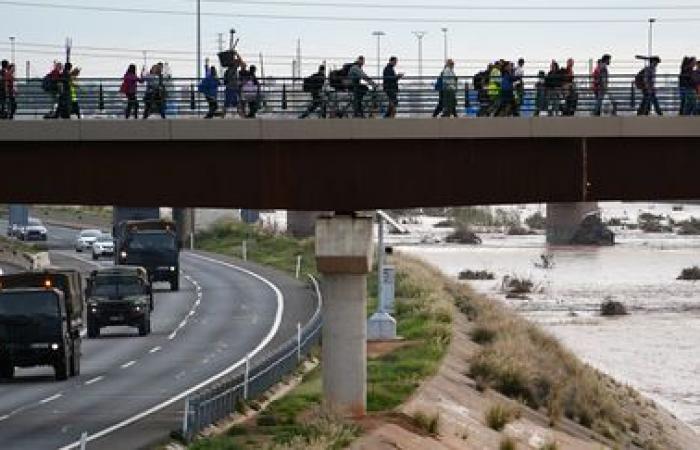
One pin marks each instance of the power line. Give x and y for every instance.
(365, 5)
(336, 18)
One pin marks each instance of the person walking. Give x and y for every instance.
(50, 84)
(601, 85)
(10, 91)
(209, 87)
(569, 92)
(647, 84)
(154, 98)
(357, 75)
(519, 86)
(494, 86)
(129, 88)
(313, 85)
(4, 65)
(251, 91)
(506, 100)
(540, 93)
(74, 104)
(449, 89)
(553, 85)
(390, 83)
(232, 88)
(65, 101)
(686, 86)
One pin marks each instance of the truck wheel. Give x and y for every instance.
(75, 359)
(7, 370)
(61, 368)
(175, 282)
(93, 330)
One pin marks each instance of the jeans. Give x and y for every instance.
(648, 100)
(213, 106)
(689, 101)
(132, 105)
(599, 99)
(440, 106)
(316, 103)
(449, 103)
(359, 92)
(153, 101)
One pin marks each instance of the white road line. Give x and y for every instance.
(4, 418)
(127, 365)
(50, 399)
(172, 335)
(154, 349)
(94, 380)
(270, 335)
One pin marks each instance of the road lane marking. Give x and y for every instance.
(4, 418)
(50, 399)
(270, 335)
(94, 380)
(154, 349)
(127, 365)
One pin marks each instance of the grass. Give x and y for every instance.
(507, 444)
(265, 247)
(14, 245)
(498, 416)
(428, 423)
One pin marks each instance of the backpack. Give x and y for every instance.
(123, 88)
(439, 83)
(338, 79)
(639, 82)
(312, 83)
(48, 84)
(481, 80)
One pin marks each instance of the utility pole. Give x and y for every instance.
(145, 59)
(651, 35)
(199, 40)
(379, 35)
(299, 65)
(12, 49)
(420, 35)
(444, 33)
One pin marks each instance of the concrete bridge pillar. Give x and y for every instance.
(344, 257)
(301, 224)
(184, 221)
(563, 219)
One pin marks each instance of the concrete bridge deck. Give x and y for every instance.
(349, 164)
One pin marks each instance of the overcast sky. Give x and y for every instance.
(40, 32)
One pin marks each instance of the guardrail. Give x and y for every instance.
(219, 401)
(285, 98)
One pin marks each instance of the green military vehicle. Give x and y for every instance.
(119, 296)
(41, 315)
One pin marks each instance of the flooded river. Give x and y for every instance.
(656, 348)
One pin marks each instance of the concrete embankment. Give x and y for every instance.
(18, 257)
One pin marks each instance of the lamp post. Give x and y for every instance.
(444, 33)
(379, 35)
(651, 35)
(12, 49)
(199, 39)
(420, 35)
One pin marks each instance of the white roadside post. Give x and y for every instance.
(244, 250)
(381, 326)
(246, 377)
(298, 270)
(83, 440)
(299, 342)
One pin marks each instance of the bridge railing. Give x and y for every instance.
(222, 398)
(285, 98)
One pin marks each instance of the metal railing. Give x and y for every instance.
(285, 98)
(220, 400)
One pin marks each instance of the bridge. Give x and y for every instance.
(346, 166)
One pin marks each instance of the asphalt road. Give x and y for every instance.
(224, 310)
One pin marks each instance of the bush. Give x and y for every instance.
(478, 275)
(690, 274)
(689, 227)
(482, 335)
(516, 285)
(497, 417)
(428, 423)
(507, 444)
(552, 445)
(536, 221)
(463, 235)
(517, 230)
(611, 307)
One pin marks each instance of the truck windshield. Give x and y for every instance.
(117, 286)
(152, 241)
(28, 304)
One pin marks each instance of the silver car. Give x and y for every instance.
(85, 239)
(103, 246)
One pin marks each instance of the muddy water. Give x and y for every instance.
(656, 348)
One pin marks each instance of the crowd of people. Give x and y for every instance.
(500, 89)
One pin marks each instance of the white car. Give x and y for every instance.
(33, 231)
(103, 246)
(85, 239)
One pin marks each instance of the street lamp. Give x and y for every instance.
(12, 49)
(444, 33)
(199, 39)
(379, 35)
(420, 35)
(651, 35)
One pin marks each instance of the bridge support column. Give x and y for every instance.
(344, 257)
(301, 224)
(184, 220)
(563, 219)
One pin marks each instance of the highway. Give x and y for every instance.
(224, 311)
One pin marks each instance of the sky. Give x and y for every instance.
(105, 42)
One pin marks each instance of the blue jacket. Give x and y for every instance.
(209, 86)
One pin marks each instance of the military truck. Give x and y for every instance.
(151, 244)
(119, 295)
(41, 315)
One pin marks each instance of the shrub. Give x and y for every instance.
(536, 221)
(507, 444)
(498, 416)
(428, 423)
(690, 274)
(482, 335)
(476, 275)
(517, 285)
(463, 235)
(611, 307)
(552, 445)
